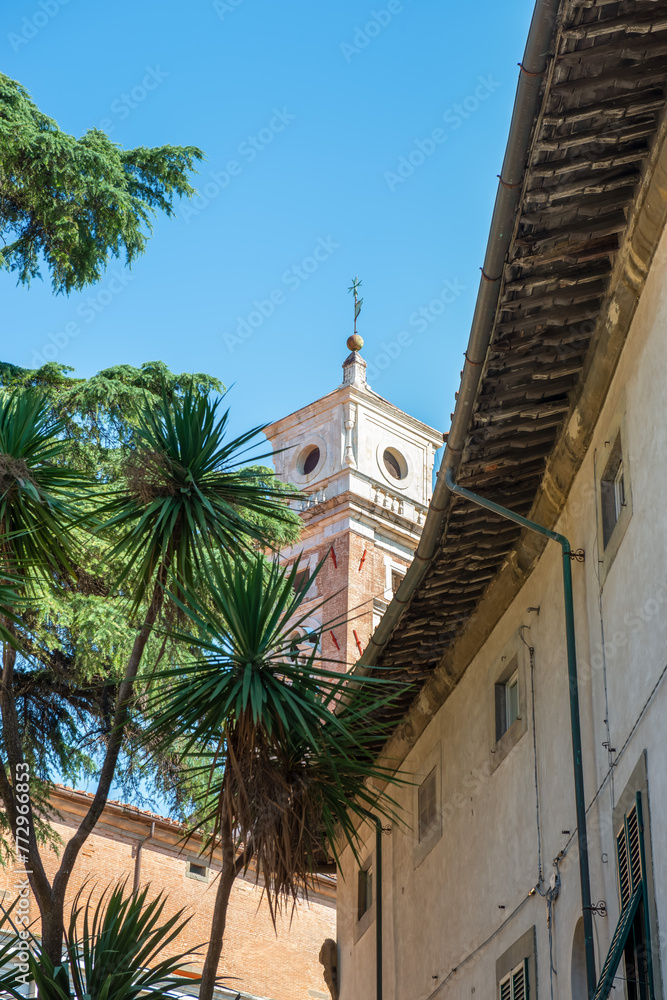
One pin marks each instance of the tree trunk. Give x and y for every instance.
(53, 919)
(27, 849)
(231, 866)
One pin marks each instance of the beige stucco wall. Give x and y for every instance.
(439, 911)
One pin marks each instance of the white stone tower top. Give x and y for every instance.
(365, 468)
(354, 440)
(354, 366)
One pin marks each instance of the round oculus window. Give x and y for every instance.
(394, 463)
(308, 460)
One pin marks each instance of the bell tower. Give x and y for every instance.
(365, 468)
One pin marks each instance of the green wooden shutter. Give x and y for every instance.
(617, 946)
(632, 893)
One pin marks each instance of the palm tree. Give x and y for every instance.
(183, 498)
(287, 745)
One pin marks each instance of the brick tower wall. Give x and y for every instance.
(348, 587)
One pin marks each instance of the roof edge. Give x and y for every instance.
(535, 63)
(628, 281)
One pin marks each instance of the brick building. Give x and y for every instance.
(366, 467)
(146, 848)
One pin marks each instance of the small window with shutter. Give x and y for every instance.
(364, 890)
(365, 902)
(516, 970)
(428, 818)
(515, 985)
(614, 490)
(428, 805)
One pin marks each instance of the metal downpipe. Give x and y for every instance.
(378, 902)
(378, 908)
(575, 722)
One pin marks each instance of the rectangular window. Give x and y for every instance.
(507, 704)
(515, 985)
(379, 608)
(612, 490)
(512, 699)
(365, 890)
(428, 805)
(301, 579)
(630, 942)
(197, 871)
(396, 580)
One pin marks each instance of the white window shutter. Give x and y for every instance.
(515, 985)
(520, 982)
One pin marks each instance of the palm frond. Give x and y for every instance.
(13, 973)
(187, 494)
(39, 499)
(284, 745)
(113, 948)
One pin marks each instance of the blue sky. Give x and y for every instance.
(341, 138)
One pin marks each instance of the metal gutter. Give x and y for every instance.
(137, 859)
(575, 721)
(526, 105)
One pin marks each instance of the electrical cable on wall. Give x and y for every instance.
(484, 943)
(619, 754)
(552, 892)
(531, 653)
(596, 568)
(552, 895)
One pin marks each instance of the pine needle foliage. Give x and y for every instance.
(75, 203)
(99, 413)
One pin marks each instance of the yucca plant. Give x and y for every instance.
(39, 499)
(114, 949)
(188, 494)
(185, 498)
(40, 502)
(14, 973)
(288, 745)
(182, 497)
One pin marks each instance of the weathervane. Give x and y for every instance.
(355, 342)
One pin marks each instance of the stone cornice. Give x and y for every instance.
(364, 397)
